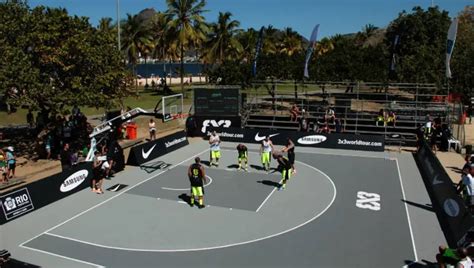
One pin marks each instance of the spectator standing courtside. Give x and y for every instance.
(98, 175)
(468, 185)
(215, 141)
(65, 157)
(266, 149)
(11, 162)
(197, 177)
(3, 167)
(152, 129)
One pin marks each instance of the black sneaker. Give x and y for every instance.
(201, 206)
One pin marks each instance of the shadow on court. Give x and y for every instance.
(186, 198)
(428, 207)
(270, 183)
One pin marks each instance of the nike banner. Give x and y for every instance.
(151, 150)
(454, 218)
(453, 29)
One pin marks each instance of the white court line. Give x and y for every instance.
(221, 246)
(105, 201)
(61, 256)
(264, 201)
(186, 189)
(408, 214)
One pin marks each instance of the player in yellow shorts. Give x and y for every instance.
(214, 142)
(197, 177)
(266, 150)
(243, 156)
(285, 166)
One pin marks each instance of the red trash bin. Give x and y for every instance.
(131, 131)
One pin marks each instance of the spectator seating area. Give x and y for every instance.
(357, 112)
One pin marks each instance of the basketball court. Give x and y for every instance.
(341, 209)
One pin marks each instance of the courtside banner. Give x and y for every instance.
(21, 201)
(143, 153)
(374, 143)
(454, 218)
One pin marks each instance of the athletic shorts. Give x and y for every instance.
(286, 174)
(291, 158)
(450, 256)
(215, 154)
(12, 166)
(242, 158)
(196, 190)
(265, 157)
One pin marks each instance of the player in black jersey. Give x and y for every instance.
(243, 156)
(290, 149)
(197, 177)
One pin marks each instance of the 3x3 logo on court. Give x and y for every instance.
(16, 203)
(368, 200)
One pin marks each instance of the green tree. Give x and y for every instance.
(188, 24)
(58, 60)
(422, 45)
(462, 62)
(222, 41)
(137, 40)
(291, 42)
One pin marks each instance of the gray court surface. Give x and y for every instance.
(341, 209)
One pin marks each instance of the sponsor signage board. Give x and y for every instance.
(19, 202)
(304, 139)
(143, 153)
(454, 218)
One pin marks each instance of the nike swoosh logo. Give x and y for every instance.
(436, 181)
(261, 138)
(147, 154)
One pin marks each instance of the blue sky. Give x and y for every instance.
(334, 16)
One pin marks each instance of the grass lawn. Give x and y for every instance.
(145, 100)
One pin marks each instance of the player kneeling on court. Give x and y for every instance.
(243, 156)
(285, 166)
(266, 150)
(214, 142)
(197, 178)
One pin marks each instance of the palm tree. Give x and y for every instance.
(105, 25)
(270, 40)
(188, 24)
(248, 40)
(324, 46)
(222, 40)
(291, 42)
(136, 40)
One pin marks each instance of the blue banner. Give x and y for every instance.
(310, 50)
(257, 51)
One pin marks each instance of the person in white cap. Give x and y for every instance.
(11, 162)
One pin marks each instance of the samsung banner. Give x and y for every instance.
(305, 139)
(35, 195)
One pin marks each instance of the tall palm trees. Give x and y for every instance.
(291, 42)
(222, 41)
(137, 39)
(188, 24)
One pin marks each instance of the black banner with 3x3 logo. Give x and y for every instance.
(18, 202)
(454, 218)
(374, 143)
(143, 153)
